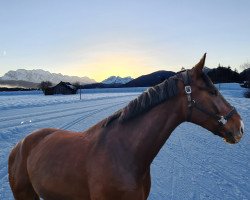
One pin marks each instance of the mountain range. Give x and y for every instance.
(22, 78)
(31, 78)
(142, 81)
(39, 75)
(117, 80)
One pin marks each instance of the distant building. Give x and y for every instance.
(61, 88)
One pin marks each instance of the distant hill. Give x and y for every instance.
(117, 80)
(39, 75)
(142, 81)
(150, 79)
(245, 75)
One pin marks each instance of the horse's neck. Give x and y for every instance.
(150, 131)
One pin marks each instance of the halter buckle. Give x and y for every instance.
(222, 120)
(188, 89)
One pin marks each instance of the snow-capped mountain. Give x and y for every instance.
(117, 80)
(39, 75)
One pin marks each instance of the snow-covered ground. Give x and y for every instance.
(193, 164)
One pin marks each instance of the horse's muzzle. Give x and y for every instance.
(235, 136)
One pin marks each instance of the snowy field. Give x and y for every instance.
(193, 164)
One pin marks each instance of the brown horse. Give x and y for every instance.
(111, 160)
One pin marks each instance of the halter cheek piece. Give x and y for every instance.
(222, 120)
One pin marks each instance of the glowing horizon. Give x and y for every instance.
(102, 66)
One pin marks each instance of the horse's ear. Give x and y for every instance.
(197, 69)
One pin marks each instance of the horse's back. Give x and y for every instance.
(17, 164)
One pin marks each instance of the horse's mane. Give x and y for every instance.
(147, 100)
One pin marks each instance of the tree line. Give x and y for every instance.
(223, 74)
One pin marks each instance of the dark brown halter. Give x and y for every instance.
(222, 120)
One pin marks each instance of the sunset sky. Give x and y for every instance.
(126, 38)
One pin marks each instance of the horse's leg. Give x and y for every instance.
(19, 180)
(18, 176)
(147, 184)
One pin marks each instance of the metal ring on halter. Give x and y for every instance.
(188, 89)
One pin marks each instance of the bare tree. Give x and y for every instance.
(77, 85)
(44, 85)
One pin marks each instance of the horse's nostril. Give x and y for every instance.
(241, 130)
(241, 127)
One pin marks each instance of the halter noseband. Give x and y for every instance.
(222, 120)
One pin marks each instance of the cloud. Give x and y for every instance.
(4, 53)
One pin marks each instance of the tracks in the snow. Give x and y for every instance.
(93, 112)
(184, 159)
(52, 113)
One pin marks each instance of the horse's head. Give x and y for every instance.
(207, 107)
